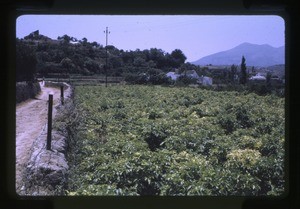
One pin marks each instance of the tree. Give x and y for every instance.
(178, 57)
(139, 62)
(25, 62)
(187, 67)
(84, 41)
(95, 44)
(151, 64)
(243, 79)
(233, 71)
(268, 79)
(74, 39)
(65, 38)
(115, 62)
(158, 56)
(67, 65)
(157, 76)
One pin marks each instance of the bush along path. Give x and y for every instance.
(32, 158)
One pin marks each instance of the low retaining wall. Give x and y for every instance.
(47, 169)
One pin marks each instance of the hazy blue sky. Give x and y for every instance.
(196, 36)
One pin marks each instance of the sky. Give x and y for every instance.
(196, 35)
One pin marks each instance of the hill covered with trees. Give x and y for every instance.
(38, 54)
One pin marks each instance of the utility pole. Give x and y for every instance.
(106, 66)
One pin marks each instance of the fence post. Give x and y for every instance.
(62, 94)
(49, 137)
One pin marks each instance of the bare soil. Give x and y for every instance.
(31, 119)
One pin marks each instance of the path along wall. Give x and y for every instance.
(47, 170)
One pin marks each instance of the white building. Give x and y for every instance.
(173, 75)
(257, 77)
(205, 81)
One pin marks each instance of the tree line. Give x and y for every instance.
(68, 55)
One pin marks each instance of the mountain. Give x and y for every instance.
(256, 55)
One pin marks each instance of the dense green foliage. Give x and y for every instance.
(243, 79)
(25, 91)
(153, 140)
(25, 62)
(68, 55)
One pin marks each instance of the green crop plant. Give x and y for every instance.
(154, 140)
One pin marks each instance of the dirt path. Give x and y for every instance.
(31, 118)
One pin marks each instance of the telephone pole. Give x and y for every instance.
(106, 66)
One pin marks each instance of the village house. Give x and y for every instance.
(173, 75)
(204, 80)
(258, 78)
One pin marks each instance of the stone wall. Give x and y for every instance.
(47, 169)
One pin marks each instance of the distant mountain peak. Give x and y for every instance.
(255, 54)
(245, 44)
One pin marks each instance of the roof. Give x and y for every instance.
(172, 75)
(257, 77)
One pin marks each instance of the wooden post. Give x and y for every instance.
(49, 137)
(62, 94)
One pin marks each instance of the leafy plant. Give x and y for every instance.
(153, 140)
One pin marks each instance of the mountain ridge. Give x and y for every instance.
(261, 55)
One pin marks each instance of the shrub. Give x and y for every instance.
(154, 135)
(185, 80)
(243, 159)
(158, 79)
(133, 78)
(26, 91)
(235, 117)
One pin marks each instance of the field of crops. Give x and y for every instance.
(153, 140)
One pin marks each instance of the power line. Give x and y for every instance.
(106, 34)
